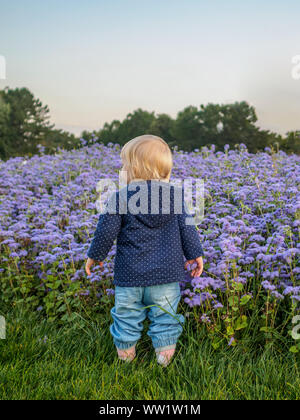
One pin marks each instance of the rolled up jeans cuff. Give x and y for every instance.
(165, 342)
(124, 346)
(170, 347)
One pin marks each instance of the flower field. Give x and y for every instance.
(250, 237)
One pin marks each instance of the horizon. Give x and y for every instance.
(97, 62)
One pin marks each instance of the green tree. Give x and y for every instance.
(135, 124)
(219, 125)
(291, 143)
(162, 126)
(188, 130)
(28, 123)
(239, 126)
(59, 138)
(5, 149)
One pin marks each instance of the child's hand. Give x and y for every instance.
(89, 264)
(196, 272)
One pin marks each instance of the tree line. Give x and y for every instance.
(25, 124)
(25, 127)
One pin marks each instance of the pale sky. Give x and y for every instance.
(97, 60)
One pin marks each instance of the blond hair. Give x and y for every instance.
(147, 157)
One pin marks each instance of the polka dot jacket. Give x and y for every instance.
(152, 242)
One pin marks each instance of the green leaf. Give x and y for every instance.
(62, 308)
(241, 323)
(230, 330)
(293, 349)
(216, 344)
(238, 286)
(264, 329)
(245, 299)
(49, 305)
(233, 301)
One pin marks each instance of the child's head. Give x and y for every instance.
(147, 157)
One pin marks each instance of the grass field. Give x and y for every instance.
(40, 360)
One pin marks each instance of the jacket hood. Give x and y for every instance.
(154, 203)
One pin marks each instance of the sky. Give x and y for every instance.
(97, 60)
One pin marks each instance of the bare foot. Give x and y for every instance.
(127, 355)
(164, 357)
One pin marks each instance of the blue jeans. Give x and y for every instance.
(129, 313)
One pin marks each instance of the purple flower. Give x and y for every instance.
(110, 292)
(231, 341)
(249, 232)
(205, 319)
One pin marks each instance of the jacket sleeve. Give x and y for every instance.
(190, 240)
(108, 228)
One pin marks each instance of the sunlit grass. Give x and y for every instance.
(40, 360)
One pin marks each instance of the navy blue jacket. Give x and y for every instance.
(150, 247)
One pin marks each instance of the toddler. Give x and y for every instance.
(152, 240)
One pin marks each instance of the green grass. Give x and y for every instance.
(80, 362)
